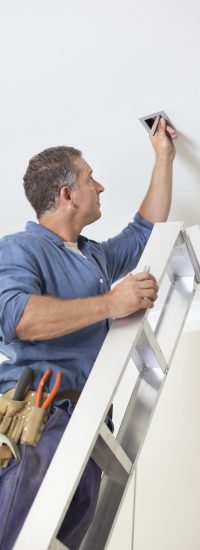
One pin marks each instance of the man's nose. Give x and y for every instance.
(100, 188)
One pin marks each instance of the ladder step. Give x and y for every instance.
(110, 456)
(57, 545)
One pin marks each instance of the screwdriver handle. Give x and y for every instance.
(23, 384)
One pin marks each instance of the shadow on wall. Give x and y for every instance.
(186, 150)
(187, 206)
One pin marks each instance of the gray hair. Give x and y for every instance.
(47, 173)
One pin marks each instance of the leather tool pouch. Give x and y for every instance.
(20, 421)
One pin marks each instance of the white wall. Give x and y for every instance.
(81, 73)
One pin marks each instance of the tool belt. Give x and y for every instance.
(20, 421)
(23, 422)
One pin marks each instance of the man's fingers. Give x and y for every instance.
(160, 124)
(150, 293)
(155, 125)
(147, 304)
(149, 283)
(144, 276)
(148, 286)
(168, 129)
(148, 298)
(163, 124)
(172, 132)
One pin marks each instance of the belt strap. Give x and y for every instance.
(72, 395)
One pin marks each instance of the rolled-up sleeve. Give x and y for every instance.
(124, 250)
(19, 279)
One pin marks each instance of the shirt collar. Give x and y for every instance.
(34, 227)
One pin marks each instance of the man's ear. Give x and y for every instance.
(65, 193)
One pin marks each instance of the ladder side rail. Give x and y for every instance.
(192, 239)
(115, 350)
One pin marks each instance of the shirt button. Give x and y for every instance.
(101, 281)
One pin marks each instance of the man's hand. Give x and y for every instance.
(156, 204)
(162, 139)
(133, 293)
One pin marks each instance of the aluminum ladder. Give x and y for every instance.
(149, 339)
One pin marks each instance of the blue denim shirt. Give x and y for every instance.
(36, 261)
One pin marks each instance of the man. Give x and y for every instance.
(56, 304)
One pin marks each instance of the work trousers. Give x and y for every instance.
(20, 481)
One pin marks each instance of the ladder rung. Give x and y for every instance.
(57, 545)
(110, 456)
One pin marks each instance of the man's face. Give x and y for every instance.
(86, 197)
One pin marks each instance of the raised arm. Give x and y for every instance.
(156, 204)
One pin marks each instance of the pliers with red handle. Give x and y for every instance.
(53, 392)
